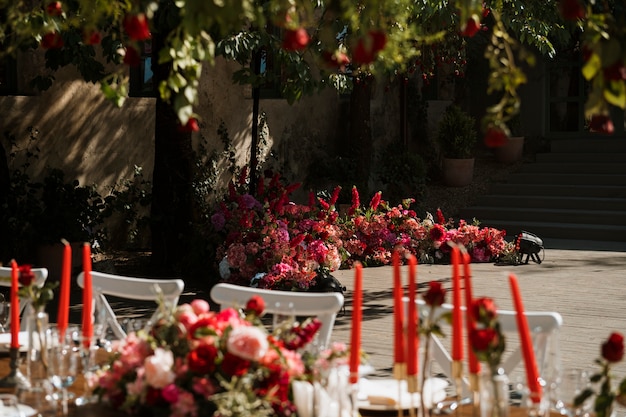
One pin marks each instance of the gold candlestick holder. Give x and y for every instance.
(15, 378)
(474, 383)
(457, 376)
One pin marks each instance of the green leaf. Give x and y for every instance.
(592, 66)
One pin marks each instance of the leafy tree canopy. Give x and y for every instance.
(345, 39)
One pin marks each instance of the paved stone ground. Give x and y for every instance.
(588, 288)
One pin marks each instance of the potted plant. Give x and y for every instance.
(457, 137)
(513, 148)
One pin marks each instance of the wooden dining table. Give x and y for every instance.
(46, 408)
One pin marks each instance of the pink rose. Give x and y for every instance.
(200, 306)
(249, 343)
(159, 368)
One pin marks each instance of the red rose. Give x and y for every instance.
(484, 310)
(436, 294)
(26, 277)
(233, 365)
(601, 123)
(295, 40)
(481, 340)
(495, 137)
(471, 27)
(202, 359)
(256, 304)
(190, 126)
(52, 40)
(136, 25)
(437, 233)
(613, 348)
(54, 9)
(571, 9)
(131, 57)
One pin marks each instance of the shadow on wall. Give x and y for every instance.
(83, 134)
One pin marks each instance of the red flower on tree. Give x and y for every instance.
(54, 8)
(368, 46)
(136, 26)
(52, 40)
(471, 27)
(571, 9)
(295, 40)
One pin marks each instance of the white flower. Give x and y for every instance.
(248, 343)
(158, 368)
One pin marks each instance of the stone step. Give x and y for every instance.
(594, 145)
(553, 202)
(570, 157)
(580, 168)
(546, 215)
(568, 179)
(558, 230)
(572, 190)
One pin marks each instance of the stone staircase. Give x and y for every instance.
(573, 197)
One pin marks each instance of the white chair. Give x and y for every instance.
(141, 289)
(41, 274)
(542, 324)
(323, 305)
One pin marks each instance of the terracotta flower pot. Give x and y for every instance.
(511, 151)
(458, 172)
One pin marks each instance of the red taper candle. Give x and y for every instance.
(532, 375)
(64, 291)
(457, 318)
(15, 307)
(412, 326)
(470, 320)
(87, 295)
(357, 316)
(398, 311)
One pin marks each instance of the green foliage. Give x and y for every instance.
(403, 173)
(456, 133)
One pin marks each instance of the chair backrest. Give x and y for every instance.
(542, 324)
(41, 274)
(141, 289)
(323, 305)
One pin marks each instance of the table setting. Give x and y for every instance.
(194, 360)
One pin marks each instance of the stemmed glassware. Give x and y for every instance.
(10, 405)
(5, 307)
(63, 359)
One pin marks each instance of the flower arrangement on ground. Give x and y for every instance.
(612, 352)
(202, 363)
(271, 242)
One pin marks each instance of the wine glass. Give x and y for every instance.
(63, 359)
(10, 406)
(5, 307)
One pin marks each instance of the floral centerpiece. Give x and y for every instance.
(203, 363)
(612, 352)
